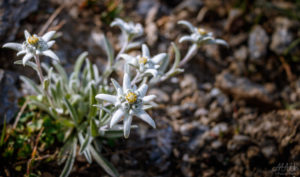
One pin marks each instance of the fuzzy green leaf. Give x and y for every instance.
(70, 160)
(72, 111)
(177, 56)
(107, 166)
(31, 84)
(92, 101)
(61, 71)
(94, 129)
(84, 148)
(28, 63)
(109, 51)
(79, 63)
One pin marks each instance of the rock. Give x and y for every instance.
(11, 13)
(161, 147)
(215, 114)
(144, 6)
(238, 142)
(243, 88)
(221, 128)
(9, 95)
(214, 92)
(282, 37)
(189, 81)
(234, 15)
(161, 96)
(200, 137)
(238, 39)
(241, 53)
(190, 5)
(151, 28)
(201, 112)
(269, 151)
(257, 43)
(216, 144)
(206, 86)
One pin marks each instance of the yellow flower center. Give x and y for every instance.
(32, 40)
(202, 31)
(143, 60)
(131, 97)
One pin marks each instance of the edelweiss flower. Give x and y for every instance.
(145, 64)
(199, 36)
(131, 29)
(34, 45)
(129, 102)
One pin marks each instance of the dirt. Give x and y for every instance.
(234, 111)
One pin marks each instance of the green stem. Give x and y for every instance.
(41, 77)
(189, 55)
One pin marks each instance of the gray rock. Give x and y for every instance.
(234, 14)
(216, 144)
(189, 5)
(243, 88)
(161, 96)
(201, 136)
(269, 151)
(221, 128)
(257, 43)
(238, 142)
(9, 95)
(282, 37)
(241, 53)
(201, 112)
(238, 39)
(11, 13)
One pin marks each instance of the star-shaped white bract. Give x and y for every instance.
(131, 29)
(199, 36)
(145, 64)
(34, 45)
(129, 102)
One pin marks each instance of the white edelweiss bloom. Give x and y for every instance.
(144, 63)
(34, 45)
(199, 36)
(129, 102)
(131, 29)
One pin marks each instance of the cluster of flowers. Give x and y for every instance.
(121, 103)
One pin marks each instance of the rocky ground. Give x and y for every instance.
(234, 111)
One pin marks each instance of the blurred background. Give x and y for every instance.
(234, 111)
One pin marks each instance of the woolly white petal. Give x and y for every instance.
(221, 42)
(186, 38)
(27, 34)
(108, 98)
(116, 84)
(143, 90)
(127, 125)
(27, 57)
(50, 54)
(148, 98)
(145, 51)
(158, 58)
(188, 25)
(116, 117)
(129, 59)
(14, 46)
(118, 22)
(126, 83)
(153, 72)
(145, 117)
(50, 44)
(22, 52)
(46, 37)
